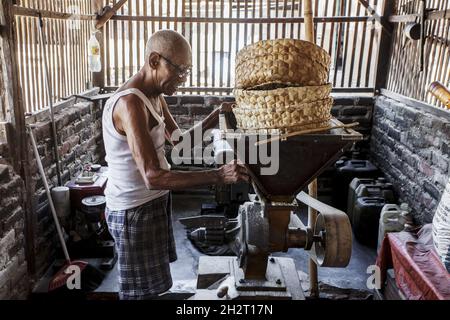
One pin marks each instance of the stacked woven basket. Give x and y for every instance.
(282, 85)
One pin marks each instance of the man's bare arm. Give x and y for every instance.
(133, 119)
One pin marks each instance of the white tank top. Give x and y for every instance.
(126, 188)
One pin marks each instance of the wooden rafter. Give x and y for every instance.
(107, 13)
(383, 22)
(430, 15)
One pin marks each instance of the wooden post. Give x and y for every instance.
(309, 21)
(384, 52)
(21, 161)
(312, 188)
(312, 217)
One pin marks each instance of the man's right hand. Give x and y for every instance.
(233, 172)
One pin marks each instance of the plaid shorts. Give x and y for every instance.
(145, 246)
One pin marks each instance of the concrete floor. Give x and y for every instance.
(184, 270)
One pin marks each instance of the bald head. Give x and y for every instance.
(170, 44)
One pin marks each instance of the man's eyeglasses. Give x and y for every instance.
(181, 72)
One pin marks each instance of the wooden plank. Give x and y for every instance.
(130, 40)
(260, 16)
(338, 46)
(222, 64)
(269, 20)
(229, 45)
(123, 51)
(237, 34)
(245, 25)
(370, 50)
(21, 57)
(28, 12)
(116, 52)
(384, 24)
(16, 107)
(205, 80)
(138, 25)
(361, 55)
(152, 9)
(292, 15)
(62, 56)
(213, 51)
(107, 53)
(283, 32)
(353, 50)
(253, 26)
(433, 15)
(268, 34)
(191, 77)
(346, 45)
(104, 17)
(198, 44)
(277, 5)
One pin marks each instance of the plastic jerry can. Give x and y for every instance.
(366, 217)
(345, 172)
(351, 199)
(391, 220)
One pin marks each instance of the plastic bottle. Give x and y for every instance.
(95, 64)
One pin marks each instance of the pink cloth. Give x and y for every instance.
(419, 273)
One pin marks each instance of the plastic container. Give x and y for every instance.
(351, 199)
(61, 201)
(346, 171)
(366, 217)
(391, 220)
(94, 61)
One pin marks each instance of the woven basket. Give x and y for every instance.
(286, 109)
(285, 61)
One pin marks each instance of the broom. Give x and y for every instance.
(90, 277)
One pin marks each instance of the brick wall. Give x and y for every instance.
(14, 281)
(79, 141)
(411, 146)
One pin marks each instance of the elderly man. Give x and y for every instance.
(136, 123)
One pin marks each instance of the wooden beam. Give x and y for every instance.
(436, 15)
(382, 21)
(107, 14)
(21, 160)
(230, 89)
(336, 19)
(29, 12)
(384, 52)
(431, 15)
(404, 18)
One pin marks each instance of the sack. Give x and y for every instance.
(441, 228)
